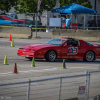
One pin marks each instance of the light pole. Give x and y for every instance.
(36, 25)
(95, 4)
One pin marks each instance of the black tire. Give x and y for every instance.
(51, 55)
(89, 56)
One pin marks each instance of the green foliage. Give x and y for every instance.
(7, 4)
(27, 6)
(30, 6)
(85, 3)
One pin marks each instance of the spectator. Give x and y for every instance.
(62, 20)
(54, 16)
(63, 17)
(68, 22)
(58, 16)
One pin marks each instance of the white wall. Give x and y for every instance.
(98, 7)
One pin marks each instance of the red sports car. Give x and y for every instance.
(5, 17)
(61, 48)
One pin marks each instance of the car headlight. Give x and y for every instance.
(21, 48)
(32, 49)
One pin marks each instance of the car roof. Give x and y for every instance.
(69, 38)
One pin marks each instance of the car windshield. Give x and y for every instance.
(9, 17)
(56, 41)
(1, 18)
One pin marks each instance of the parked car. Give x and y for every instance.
(61, 48)
(12, 15)
(5, 17)
(28, 22)
(93, 25)
(9, 23)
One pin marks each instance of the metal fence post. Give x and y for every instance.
(84, 21)
(36, 25)
(59, 88)
(31, 31)
(87, 85)
(28, 90)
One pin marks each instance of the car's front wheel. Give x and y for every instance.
(51, 55)
(89, 56)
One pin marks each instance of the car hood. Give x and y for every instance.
(38, 46)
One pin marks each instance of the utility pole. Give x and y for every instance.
(95, 1)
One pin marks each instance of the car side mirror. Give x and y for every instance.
(65, 45)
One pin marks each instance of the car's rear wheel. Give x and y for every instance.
(51, 55)
(89, 56)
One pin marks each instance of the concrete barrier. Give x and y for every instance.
(87, 35)
(16, 32)
(25, 32)
(71, 98)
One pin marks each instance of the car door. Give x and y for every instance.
(73, 51)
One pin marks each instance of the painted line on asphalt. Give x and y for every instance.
(85, 67)
(42, 70)
(6, 73)
(81, 67)
(22, 72)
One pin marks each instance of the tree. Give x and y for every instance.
(7, 4)
(85, 3)
(30, 6)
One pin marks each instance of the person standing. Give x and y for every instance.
(63, 20)
(68, 22)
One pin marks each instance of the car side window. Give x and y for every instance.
(75, 43)
(1, 18)
(69, 43)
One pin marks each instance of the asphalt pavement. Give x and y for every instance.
(42, 69)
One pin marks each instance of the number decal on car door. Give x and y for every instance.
(72, 50)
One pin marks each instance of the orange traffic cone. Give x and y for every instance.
(99, 67)
(61, 41)
(10, 38)
(15, 69)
